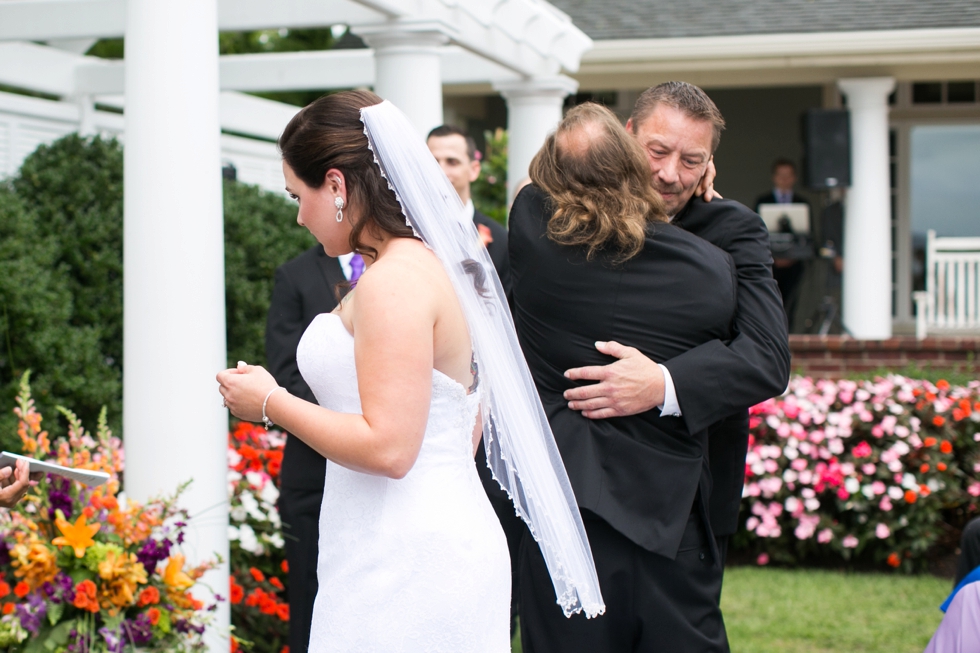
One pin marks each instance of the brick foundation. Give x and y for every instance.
(836, 356)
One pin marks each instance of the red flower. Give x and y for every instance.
(946, 446)
(4, 589)
(237, 593)
(8, 607)
(910, 496)
(267, 604)
(924, 468)
(256, 574)
(285, 649)
(929, 442)
(285, 566)
(148, 596)
(486, 236)
(941, 467)
(85, 596)
(924, 490)
(22, 589)
(938, 420)
(234, 644)
(282, 611)
(894, 560)
(154, 615)
(942, 384)
(862, 450)
(275, 582)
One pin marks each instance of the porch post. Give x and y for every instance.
(174, 427)
(408, 73)
(867, 278)
(534, 109)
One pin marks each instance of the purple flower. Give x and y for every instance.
(59, 496)
(31, 613)
(4, 554)
(153, 552)
(140, 630)
(115, 643)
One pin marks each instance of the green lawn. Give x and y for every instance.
(810, 611)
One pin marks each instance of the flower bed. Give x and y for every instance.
(259, 611)
(83, 570)
(860, 469)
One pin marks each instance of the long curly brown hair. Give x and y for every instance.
(598, 180)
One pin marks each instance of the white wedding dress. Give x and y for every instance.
(415, 564)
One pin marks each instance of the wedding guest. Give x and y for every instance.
(713, 385)
(592, 256)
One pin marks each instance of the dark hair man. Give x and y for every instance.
(711, 386)
(783, 185)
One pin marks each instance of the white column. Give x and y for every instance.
(86, 115)
(408, 73)
(174, 427)
(867, 277)
(533, 111)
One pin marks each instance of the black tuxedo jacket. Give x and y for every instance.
(770, 198)
(497, 248)
(639, 473)
(717, 382)
(305, 287)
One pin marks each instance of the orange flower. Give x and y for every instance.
(148, 596)
(275, 582)
(88, 511)
(22, 589)
(910, 496)
(941, 467)
(894, 560)
(942, 384)
(154, 615)
(237, 593)
(256, 574)
(77, 536)
(929, 442)
(234, 645)
(486, 236)
(4, 589)
(285, 649)
(284, 566)
(85, 596)
(924, 468)
(8, 607)
(938, 420)
(946, 446)
(174, 575)
(282, 611)
(924, 490)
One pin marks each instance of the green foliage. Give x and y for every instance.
(490, 190)
(260, 234)
(61, 277)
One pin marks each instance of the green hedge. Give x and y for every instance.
(61, 277)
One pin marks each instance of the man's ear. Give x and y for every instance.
(474, 171)
(629, 125)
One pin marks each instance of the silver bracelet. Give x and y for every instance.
(265, 418)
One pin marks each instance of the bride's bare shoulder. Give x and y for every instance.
(407, 266)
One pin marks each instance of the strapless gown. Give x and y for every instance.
(414, 564)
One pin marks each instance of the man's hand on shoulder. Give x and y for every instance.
(633, 384)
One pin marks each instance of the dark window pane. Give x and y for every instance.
(927, 93)
(893, 98)
(961, 91)
(892, 142)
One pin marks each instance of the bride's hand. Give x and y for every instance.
(244, 389)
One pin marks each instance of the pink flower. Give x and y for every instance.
(885, 505)
(850, 542)
(799, 464)
(763, 559)
(882, 531)
(862, 450)
(825, 536)
(843, 494)
(974, 489)
(869, 469)
(878, 488)
(807, 526)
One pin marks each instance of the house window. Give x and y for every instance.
(951, 92)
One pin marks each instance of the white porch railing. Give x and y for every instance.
(951, 300)
(28, 122)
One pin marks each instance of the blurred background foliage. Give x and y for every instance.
(490, 190)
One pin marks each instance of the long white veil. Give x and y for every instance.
(521, 450)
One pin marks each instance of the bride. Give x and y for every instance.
(405, 372)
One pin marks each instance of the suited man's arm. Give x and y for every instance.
(284, 328)
(715, 380)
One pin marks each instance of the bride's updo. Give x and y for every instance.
(328, 133)
(598, 180)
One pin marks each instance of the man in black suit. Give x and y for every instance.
(787, 272)
(641, 482)
(713, 385)
(305, 287)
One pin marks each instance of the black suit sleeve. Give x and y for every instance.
(285, 325)
(715, 380)
(497, 249)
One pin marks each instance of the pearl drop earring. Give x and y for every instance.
(339, 203)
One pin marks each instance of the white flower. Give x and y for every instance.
(836, 446)
(812, 505)
(852, 485)
(790, 476)
(233, 459)
(269, 494)
(895, 466)
(792, 503)
(252, 507)
(237, 513)
(868, 492)
(275, 539)
(232, 533)
(909, 482)
(808, 493)
(248, 541)
(847, 469)
(791, 453)
(255, 479)
(895, 492)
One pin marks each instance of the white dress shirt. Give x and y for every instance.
(344, 260)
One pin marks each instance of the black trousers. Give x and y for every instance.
(299, 509)
(653, 604)
(969, 550)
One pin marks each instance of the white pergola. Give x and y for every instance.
(178, 94)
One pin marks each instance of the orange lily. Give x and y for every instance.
(78, 535)
(174, 575)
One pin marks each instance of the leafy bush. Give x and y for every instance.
(61, 254)
(490, 190)
(865, 470)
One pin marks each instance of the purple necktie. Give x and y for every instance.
(356, 269)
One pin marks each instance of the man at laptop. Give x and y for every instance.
(786, 271)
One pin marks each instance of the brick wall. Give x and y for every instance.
(836, 356)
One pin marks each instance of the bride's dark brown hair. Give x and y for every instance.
(599, 183)
(328, 133)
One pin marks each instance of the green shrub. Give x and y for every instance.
(490, 190)
(61, 277)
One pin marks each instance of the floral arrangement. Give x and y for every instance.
(83, 570)
(869, 469)
(259, 611)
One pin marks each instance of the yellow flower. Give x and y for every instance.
(121, 573)
(174, 575)
(34, 562)
(77, 536)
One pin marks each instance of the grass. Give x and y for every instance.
(814, 611)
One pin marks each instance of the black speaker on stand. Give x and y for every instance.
(827, 142)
